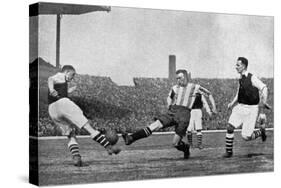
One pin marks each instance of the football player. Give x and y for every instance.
(245, 106)
(66, 114)
(195, 123)
(180, 101)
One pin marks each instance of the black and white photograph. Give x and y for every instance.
(121, 94)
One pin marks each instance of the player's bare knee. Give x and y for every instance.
(155, 125)
(230, 128)
(176, 140)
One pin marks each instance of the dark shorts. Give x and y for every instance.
(177, 116)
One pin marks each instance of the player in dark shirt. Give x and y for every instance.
(195, 123)
(245, 107)
(66, 114)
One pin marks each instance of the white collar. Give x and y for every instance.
(245, 73)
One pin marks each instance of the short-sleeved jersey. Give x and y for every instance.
(60, 85)
(185, 96)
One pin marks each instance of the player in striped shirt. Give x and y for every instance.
(179, 101)
(66, 114)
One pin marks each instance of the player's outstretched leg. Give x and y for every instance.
(199, 139)
(143, 133)
(229, 141)
(102, 140)
(127, 138)
(74, 150)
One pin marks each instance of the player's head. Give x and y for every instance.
(182, 77)
(241, 64)
(69, 72)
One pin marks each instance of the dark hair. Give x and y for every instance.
(67, 68)
(243, 60)
(182, 71)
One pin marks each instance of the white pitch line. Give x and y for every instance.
(155, 133)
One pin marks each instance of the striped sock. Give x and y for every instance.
(256, 134)
(189, 137)
(229, 142)
(74, 149)
(145, 132)
(199, 138)
(101, 139)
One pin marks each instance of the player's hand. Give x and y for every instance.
(169, 107)
(262, 118)
(210, 115)
(214, 111)
(54, 93)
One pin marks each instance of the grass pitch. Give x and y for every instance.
(151, 158)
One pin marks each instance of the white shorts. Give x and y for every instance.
(195, 122)
(245, 115)
(66, 114)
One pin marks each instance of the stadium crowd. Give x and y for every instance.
(128, 108)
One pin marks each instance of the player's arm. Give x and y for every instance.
(203, 90)
(170, 97)
(212, 100)
(51, 83)
(262, 89)
(234, 101)
(206, 106)
(264, 94)
(207, 93)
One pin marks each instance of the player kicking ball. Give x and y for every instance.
(245, 107)
(180, 101)
(66, 114)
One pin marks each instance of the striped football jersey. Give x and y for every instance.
(185, 96)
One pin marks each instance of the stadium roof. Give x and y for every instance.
(60, 8)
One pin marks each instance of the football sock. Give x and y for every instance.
(189, 137)
(101, 139)
(145, 132)
(256, 134)
(229, 142)
(73, 148)
(91, 130)
(199, 137)
(182, 146)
